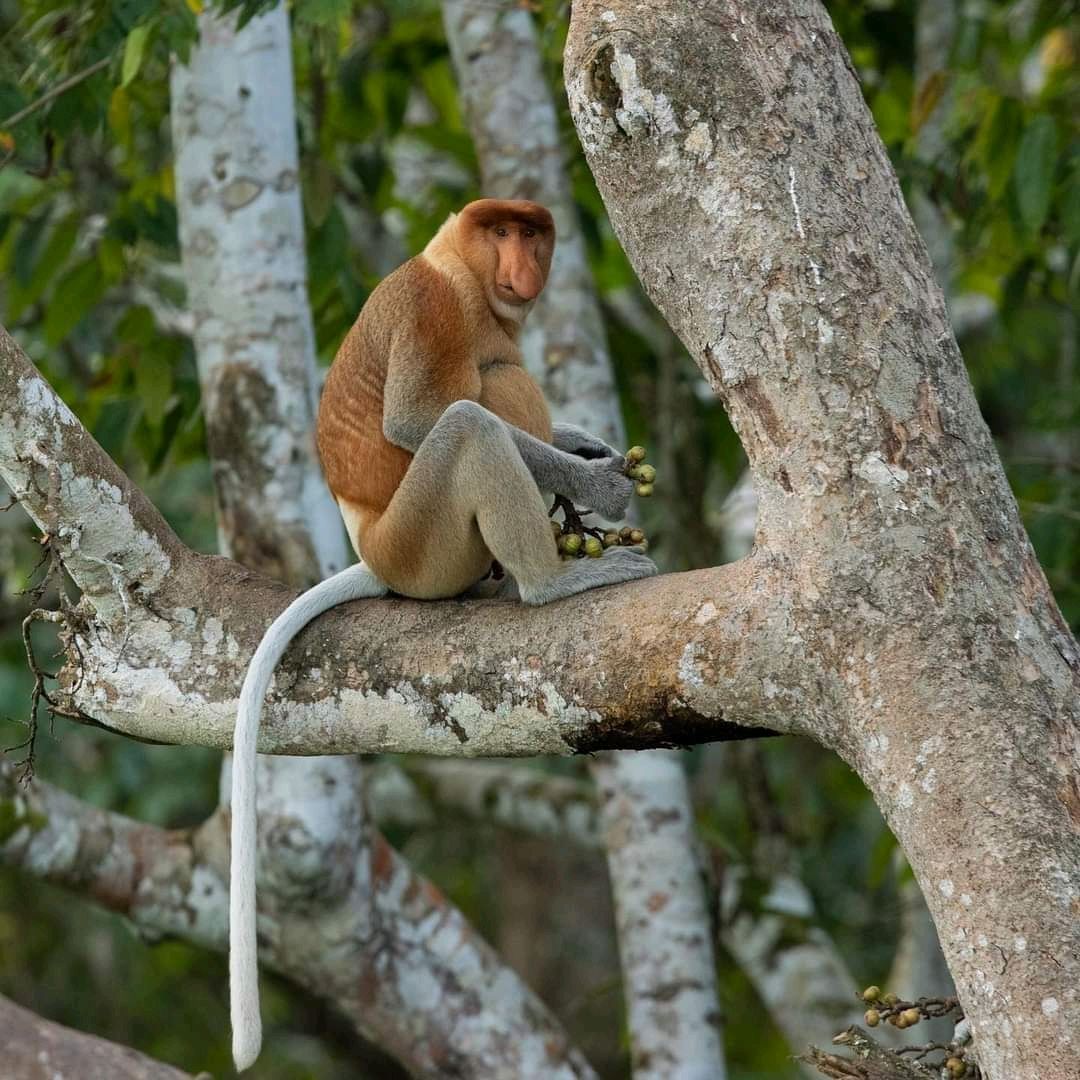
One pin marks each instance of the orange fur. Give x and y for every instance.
(452, 313)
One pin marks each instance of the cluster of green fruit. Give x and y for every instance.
(577, 545)
(637, 469)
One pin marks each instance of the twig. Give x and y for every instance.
(60, 88)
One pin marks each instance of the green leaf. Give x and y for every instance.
(1033, 176)
(24, 256)
(81, 288)
(329, 13)
(1070, 204)
(153, 383)
(52, 258)
(995, 142)
(319, 185)
(134, 50)
(113, 426)
(891, 106)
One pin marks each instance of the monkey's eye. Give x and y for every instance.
(500, 231)
(530, 232)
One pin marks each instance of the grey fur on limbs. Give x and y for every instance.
(575, 440)
(591, 473)
(471, 439)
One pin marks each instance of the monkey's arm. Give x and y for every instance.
(598, 483)
(577, 441)
(418, 390)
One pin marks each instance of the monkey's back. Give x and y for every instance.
(362, 467)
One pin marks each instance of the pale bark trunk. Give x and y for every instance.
(800, 976)
(242, 242)
(743, 174)
(665, 940)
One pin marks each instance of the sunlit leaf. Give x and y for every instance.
(134, 50)
(120, 115)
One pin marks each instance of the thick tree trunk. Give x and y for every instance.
(743, 174)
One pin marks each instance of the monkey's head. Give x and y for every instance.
(508, 244)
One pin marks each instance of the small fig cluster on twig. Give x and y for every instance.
(575, 540)
(889, 1008)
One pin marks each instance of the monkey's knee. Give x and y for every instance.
(465, 434)
(468, 422)
(467, 415)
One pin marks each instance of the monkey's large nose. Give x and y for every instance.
(526, 281)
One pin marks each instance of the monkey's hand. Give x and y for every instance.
(577, 441)
(602, 486)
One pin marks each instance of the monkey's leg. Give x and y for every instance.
(468, 497)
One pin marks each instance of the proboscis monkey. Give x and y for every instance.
(439, 449)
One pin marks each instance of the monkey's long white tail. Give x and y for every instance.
(353, 583)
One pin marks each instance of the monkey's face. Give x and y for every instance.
(510, 245)
(522, 260)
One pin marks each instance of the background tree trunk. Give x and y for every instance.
(665, 939)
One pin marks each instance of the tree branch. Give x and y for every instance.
(416, 792)
(54, 92)
(354, 949)
(38, 1049)
(704, 663)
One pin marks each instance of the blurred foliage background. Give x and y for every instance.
(978, 105)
